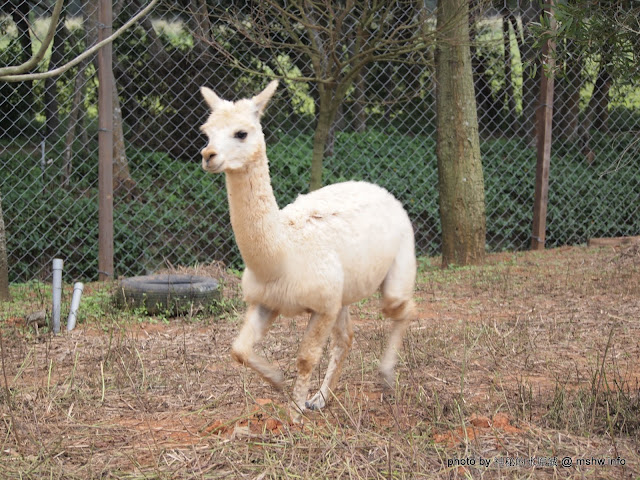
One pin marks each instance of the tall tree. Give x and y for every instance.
(50, 84)
(509, 22)
(608, 32)
(330, 42)
(529, 52)
(568, 83)
(461, 182)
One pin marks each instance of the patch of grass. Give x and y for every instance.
(608, 404)
(99, 309)
(531, 355)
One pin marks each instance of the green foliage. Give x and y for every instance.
(394, 161)
(606, 29)
(597, 200)
(585, 200)
(164, 221)
(179, 214)
(32, 207)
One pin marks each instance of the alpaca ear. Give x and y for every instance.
(210, 97)
(261, 99)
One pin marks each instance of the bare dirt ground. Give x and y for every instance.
(527, 367)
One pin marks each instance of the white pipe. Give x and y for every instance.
(57, 293)
(75, 303)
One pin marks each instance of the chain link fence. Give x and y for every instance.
(382, 126)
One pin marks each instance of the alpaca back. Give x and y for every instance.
(354, 207)
(357, 224)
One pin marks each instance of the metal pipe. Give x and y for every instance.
(75, 303)
(57, 294)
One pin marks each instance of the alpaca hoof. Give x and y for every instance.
(295, 413)
(276, 379)
(316, 403)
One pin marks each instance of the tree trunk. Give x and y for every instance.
(597, 114)
(460, 178)
(530, 76)
(25, 89)
(485, 101)
(123, 183)
(509, 91)
(337, 125)
(487, 112)
(359, 122)
(78, 95)
(50, 84)
(4, 264)
(599, 104)
(320, 137)
(567, 103)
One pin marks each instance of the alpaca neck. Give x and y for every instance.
(255, 217)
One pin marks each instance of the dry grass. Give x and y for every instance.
(532, 355)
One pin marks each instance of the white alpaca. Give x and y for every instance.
(323, 252)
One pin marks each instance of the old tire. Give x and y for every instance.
(167, 294)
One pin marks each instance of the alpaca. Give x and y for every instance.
(326, 250)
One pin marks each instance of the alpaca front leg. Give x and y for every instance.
(308, 356)
(258, 320)
(341, 339)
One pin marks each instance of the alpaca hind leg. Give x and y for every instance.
(397, 304)
(401, 314)
(341, 339)
(308, 356)
(256, 324)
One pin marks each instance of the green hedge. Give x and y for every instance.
(180, 214)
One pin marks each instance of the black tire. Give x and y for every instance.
(167, 294)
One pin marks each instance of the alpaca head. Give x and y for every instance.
(235, 134)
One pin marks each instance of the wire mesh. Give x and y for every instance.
(372, 69)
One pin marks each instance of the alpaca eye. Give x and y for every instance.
(240, 134)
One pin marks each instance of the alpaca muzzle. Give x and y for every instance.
(210, 162)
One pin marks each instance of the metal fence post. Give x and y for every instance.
(105, 141)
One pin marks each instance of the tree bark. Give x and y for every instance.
(78, 95)
(460, 177)
(123, 183)
(530, 76)
(487, 111)
(4, 264)
(567, 109)
(509, 90)
(359, 122)
(598, 108)
(50, 84)
(20, 17)
(597, 114)
(485, 102)
(320, 137)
